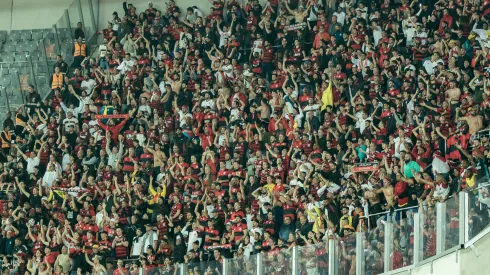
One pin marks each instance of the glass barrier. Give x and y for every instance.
(208, 266)
(277, 261)
(243, 264)
(429, 231)
(452, 222)
(89, 21)
(314, 258)
(53, 42)
(95, 7)
(374, 250)
(402, 243)
(74, 18)
(347, 253)
(478, 203)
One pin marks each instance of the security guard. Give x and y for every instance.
(6, 138)
(79, 52)
(57, 79)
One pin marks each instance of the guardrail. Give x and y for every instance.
(437, 229)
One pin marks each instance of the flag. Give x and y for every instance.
(327, 96)
(486, 7)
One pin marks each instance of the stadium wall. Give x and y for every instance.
(29, 14)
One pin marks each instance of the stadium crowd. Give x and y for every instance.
(192, 136)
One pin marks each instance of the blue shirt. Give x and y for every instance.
(407, 168)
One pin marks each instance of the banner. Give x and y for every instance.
(219, 246)
(365, 167)
(294, 27)
(111, 116)
(75, 189)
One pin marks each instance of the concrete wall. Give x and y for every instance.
(30, 14)
(5, 12)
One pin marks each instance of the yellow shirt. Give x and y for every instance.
(156, 196)
(270, 186)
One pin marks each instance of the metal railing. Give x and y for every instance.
(35, 66)
(421, 235)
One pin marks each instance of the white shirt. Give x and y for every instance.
(361, 122)
(208, 103)
(409, 32)
(182, 117)
(398, 141)
(113, 159)
(429, 65)
(161, 86)
(376, 34)
(222, 36)
(65, 161)
(125, 66)
(340, 17)
(49, 177)
(192, 237)
(89, 84)
(262, 200)
(137, 246)
(102, 50)
(149, 238)
(31, 163)
(68, 122)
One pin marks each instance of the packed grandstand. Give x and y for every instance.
(193, 136)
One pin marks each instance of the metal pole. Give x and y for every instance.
(21, 91)
(418, 236)
(226, 262)
(32, 72)
(464, 228)
(388, 246)
(94, 24)
(183, 269)
(295, 259)
(80, 13)
(440, 227)
(43, 45)
(260, 264)
(360, 260)
(67, 14)
(7, 98)
(57, 38)
(332, 258)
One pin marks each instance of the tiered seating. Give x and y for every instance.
(15, 73)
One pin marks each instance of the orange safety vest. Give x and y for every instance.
(6, 143)
(57, 81)
(80, 50)
(19, 121)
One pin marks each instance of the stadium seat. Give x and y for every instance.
(14, 36)
(10, 47)
(3, 36)
(5, 81)
(26, 36)
(21, 47)
(8, 58)
(37, 34)
(21, 57)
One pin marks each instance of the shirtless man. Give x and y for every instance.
(475, 121)
(375, 204)
(299, 16)
(175, 84)
(387, 191)
(159, 156)
(453, 93)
